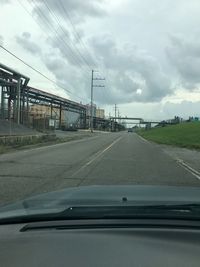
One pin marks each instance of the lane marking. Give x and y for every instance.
(188, 168)
(192, 171)
(97, 155)
(143, 139)
(101, 152)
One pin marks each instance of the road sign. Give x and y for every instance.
(51, 123)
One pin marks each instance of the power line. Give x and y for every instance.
(66, 13)
(58, 22)
(58, 37)
(29, 66)
(51, 28)
(62, 8)
(37, 71)
(56, 18)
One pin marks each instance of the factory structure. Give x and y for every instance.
(37, 109)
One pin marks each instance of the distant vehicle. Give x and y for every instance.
(130, 130)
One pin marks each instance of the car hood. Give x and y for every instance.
(102, 196)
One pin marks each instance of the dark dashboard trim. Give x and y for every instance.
(111, 223)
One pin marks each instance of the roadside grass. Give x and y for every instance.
(40, 142)
(183, 135)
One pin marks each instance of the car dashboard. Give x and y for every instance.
(101, 243)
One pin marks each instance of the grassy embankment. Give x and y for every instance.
(182, 135)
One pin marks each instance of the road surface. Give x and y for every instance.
(105, 159)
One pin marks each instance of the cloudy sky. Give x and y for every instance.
(147, 50)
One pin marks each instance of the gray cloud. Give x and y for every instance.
(56, 66)
(78, 9)
(133, 77)
(25, 41)
(66, 76)
(63, 42)
(134, 74)
(69, 50)
(65, 37)
(131, 70)
(184, 55)
(59, 62)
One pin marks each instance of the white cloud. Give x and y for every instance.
(184, 56)
(130, 71)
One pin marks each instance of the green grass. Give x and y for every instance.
(182, 135)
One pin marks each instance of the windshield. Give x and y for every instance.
(99, 106)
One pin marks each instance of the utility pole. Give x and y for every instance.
(115, 112)
(91, 104)
(92, 93)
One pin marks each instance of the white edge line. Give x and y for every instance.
(101, 152)
(143, 139)
(189, 169)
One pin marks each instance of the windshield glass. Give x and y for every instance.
(99, 105)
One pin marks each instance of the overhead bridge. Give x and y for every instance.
(139, 120)
(126, 118)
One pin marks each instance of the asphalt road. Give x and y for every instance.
(105, 159)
